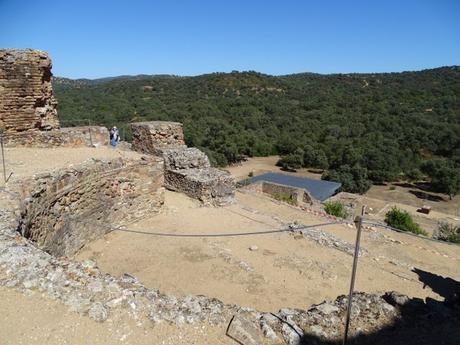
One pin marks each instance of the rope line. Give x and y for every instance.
(231, 234)
(247, 233)
(410, 233)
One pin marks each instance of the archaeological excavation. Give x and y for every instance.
(133, 232)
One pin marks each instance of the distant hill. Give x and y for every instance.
(384, 123)
(63, 82)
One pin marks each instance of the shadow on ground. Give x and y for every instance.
(420, 322)
(426, 196)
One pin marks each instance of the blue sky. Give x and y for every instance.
(94, 39)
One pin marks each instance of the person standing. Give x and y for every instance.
(114, 136)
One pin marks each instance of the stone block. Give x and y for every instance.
(211, 186)
(244, 331)
(185, 158)
(155, 136)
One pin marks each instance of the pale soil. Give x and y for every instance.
(285, 271)
(25, 162)
(378, 199)
(33, 319)
(260, 165)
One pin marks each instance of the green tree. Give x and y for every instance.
(353, 179)
(445, 176)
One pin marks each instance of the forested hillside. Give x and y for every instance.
(360, 127)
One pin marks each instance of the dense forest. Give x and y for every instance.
(359, 128)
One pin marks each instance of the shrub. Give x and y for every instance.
(335, 208)
(447, 232)
(251, 174)
(402, 220)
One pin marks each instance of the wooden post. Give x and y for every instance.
(358, 223)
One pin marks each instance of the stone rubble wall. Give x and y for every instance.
(61, 210)
(152, 137)
(26, 93)
(86, 290)
(211, 186)
(92, 136)
(299, 196)
(185, 158)
(187, 169)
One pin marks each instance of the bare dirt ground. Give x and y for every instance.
(284, 271)
(33, 319)
(378, 199)
(25, 162)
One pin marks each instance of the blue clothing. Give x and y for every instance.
(114, 137)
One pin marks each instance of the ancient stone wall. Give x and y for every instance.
(297, 195)
(187, 169)
(26, 94)
(155, 136)
(67, 137)
(211, 186)
(185, 158)
(65, 210)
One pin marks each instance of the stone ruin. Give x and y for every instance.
(187, 170)
(56, 213)
(28, 115)
(26, 94)
(156, 136)
(64, 210)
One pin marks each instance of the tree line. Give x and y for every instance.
(358, 128)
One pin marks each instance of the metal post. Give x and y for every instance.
(3, 156)
(89, 130)
(358, 223)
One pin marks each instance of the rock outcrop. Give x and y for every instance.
(26, 94)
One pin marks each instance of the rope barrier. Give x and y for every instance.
(410, 233)
(231, 234)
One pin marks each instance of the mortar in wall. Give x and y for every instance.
(63, 211)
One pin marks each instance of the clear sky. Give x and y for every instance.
(100, 38)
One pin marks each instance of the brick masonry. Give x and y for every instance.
(26, 94)
(66, 137)
(63, 211)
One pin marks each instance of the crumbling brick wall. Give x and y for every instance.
(26, 94)
(69, 208)
(155, 136)
(187, 169)
(92, 136)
